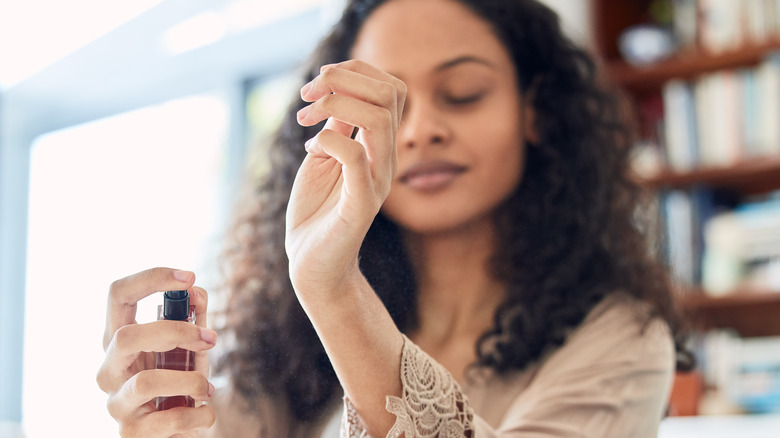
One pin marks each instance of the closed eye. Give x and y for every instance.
(463, 100)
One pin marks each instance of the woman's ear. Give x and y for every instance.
(530, 135)
(528, 113)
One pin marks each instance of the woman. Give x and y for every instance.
(462, 244)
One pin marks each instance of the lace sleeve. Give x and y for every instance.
(432, 404)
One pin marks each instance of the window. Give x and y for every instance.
(86, 219)
(109, 198)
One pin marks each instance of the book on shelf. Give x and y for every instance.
(679, 236)
(767, 107)
(685, 215)
(742, 248)
(685, 23)
(718, 26)
(743, 374)
(680, 125)
(722, 117)
(713, 242)
(718, 118)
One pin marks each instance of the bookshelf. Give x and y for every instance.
(686, 65)
(742, 163)
(749, 312)
(746, 177)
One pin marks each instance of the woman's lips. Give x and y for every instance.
(431, 175)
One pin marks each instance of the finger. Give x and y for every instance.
(369, 70)
(200, 299)
(365, 82)
(132, 340)
(375, 122)
(376, 131)
(374, 72)
(346, 109)
(342, 128)
(150, 384)
(360, 80)
(163, 424)
(350, 83)
(344, 114)
(125, 293)
(160, 336)
(352, 155)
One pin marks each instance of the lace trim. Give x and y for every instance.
(432, 404)
(351, 426)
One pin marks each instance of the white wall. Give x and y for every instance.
(576, 18)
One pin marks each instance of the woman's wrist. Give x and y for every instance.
(334, 297)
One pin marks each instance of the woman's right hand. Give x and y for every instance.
(127, 374)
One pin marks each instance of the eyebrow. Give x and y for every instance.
(455, 62)
(461, 60)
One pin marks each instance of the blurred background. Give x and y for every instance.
(125, 127)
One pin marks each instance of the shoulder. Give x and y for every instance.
(620, 332)
(611, 378)
(621, 319)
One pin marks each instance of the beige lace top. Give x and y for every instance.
(611, 379)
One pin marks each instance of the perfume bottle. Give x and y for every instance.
(176, 306)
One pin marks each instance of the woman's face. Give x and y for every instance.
(461, 139)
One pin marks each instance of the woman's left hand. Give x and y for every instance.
(343, 181)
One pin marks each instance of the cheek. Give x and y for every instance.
(505, 166)
(501, 150)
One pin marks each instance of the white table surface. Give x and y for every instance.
(737, 426)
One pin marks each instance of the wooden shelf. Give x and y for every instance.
(686, 66)
(750, 313)
(749, 177)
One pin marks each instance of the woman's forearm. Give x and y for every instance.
(364, 346)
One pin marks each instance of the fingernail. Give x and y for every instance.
(304, 112)
(208, 335)
(211, 389)
(305, 89)
(183, 276)
(308, 143)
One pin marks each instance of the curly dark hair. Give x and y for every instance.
(571, 233)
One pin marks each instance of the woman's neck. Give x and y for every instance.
(457, 296)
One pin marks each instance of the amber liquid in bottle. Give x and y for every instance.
(175, 307)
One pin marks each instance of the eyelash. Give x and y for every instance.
(463, 100)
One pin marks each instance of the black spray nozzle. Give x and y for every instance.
(176, 305)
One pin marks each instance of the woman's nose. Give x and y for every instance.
(423, 125)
